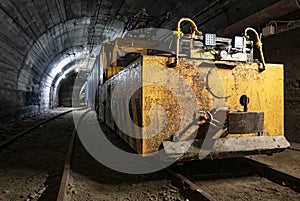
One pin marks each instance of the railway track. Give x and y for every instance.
(244, 170)
(15, 137)
(190, 183)
(194, 179)
(32, 160)
(189, 190)
(62, 193)
(77, 174)
(66, 173)
(294, 148)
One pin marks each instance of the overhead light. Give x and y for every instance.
(268, 30)
(210, 40)
(238, 43)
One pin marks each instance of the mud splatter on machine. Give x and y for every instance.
(190, 94)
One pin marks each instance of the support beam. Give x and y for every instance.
(262, 17)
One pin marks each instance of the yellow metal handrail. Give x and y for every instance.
(194, 31)
(193, 26)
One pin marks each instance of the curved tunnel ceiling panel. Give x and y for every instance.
(33, 32)
(65, 39)
(36, 35)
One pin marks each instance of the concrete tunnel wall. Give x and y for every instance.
(35, 36)
(26, 64)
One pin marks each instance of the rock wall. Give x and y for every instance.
(16, 104)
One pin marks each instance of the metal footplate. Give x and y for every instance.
(224, 147)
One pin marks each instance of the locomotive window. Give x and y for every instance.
(127, 58)
(121, 53)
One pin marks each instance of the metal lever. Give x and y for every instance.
(244, 100)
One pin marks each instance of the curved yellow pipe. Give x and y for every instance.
(193, 25)
(258, 44)
(179, 33)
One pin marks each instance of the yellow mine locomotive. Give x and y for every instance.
(189, 96)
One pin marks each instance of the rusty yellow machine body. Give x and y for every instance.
(229, 105)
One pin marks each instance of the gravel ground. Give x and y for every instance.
(9, 129)
(287, 161)
(31, 169)
(90, 180)
(232, 179)
(82, 188)
(31, 166)
(249, 188)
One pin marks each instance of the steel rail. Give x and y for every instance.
(67, 170)
(7, 142)
(189, 190)
(67, 167)
(294, 148)
(274, 175)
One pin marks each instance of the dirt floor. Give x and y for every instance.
(287, 161)
(89, 183)
(31, 166)
(31, 170)
(90, 180)
(83, 188)
(11, 128)
(249, 188)
(233, 179)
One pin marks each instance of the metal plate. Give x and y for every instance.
(245, 122)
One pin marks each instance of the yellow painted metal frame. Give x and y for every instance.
(265, 90)
(109, 52)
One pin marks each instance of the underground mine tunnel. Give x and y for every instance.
(84, 84)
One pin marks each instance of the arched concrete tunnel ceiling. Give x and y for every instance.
(73, 39)
(37, 35)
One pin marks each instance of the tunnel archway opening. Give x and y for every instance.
(65, 90)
